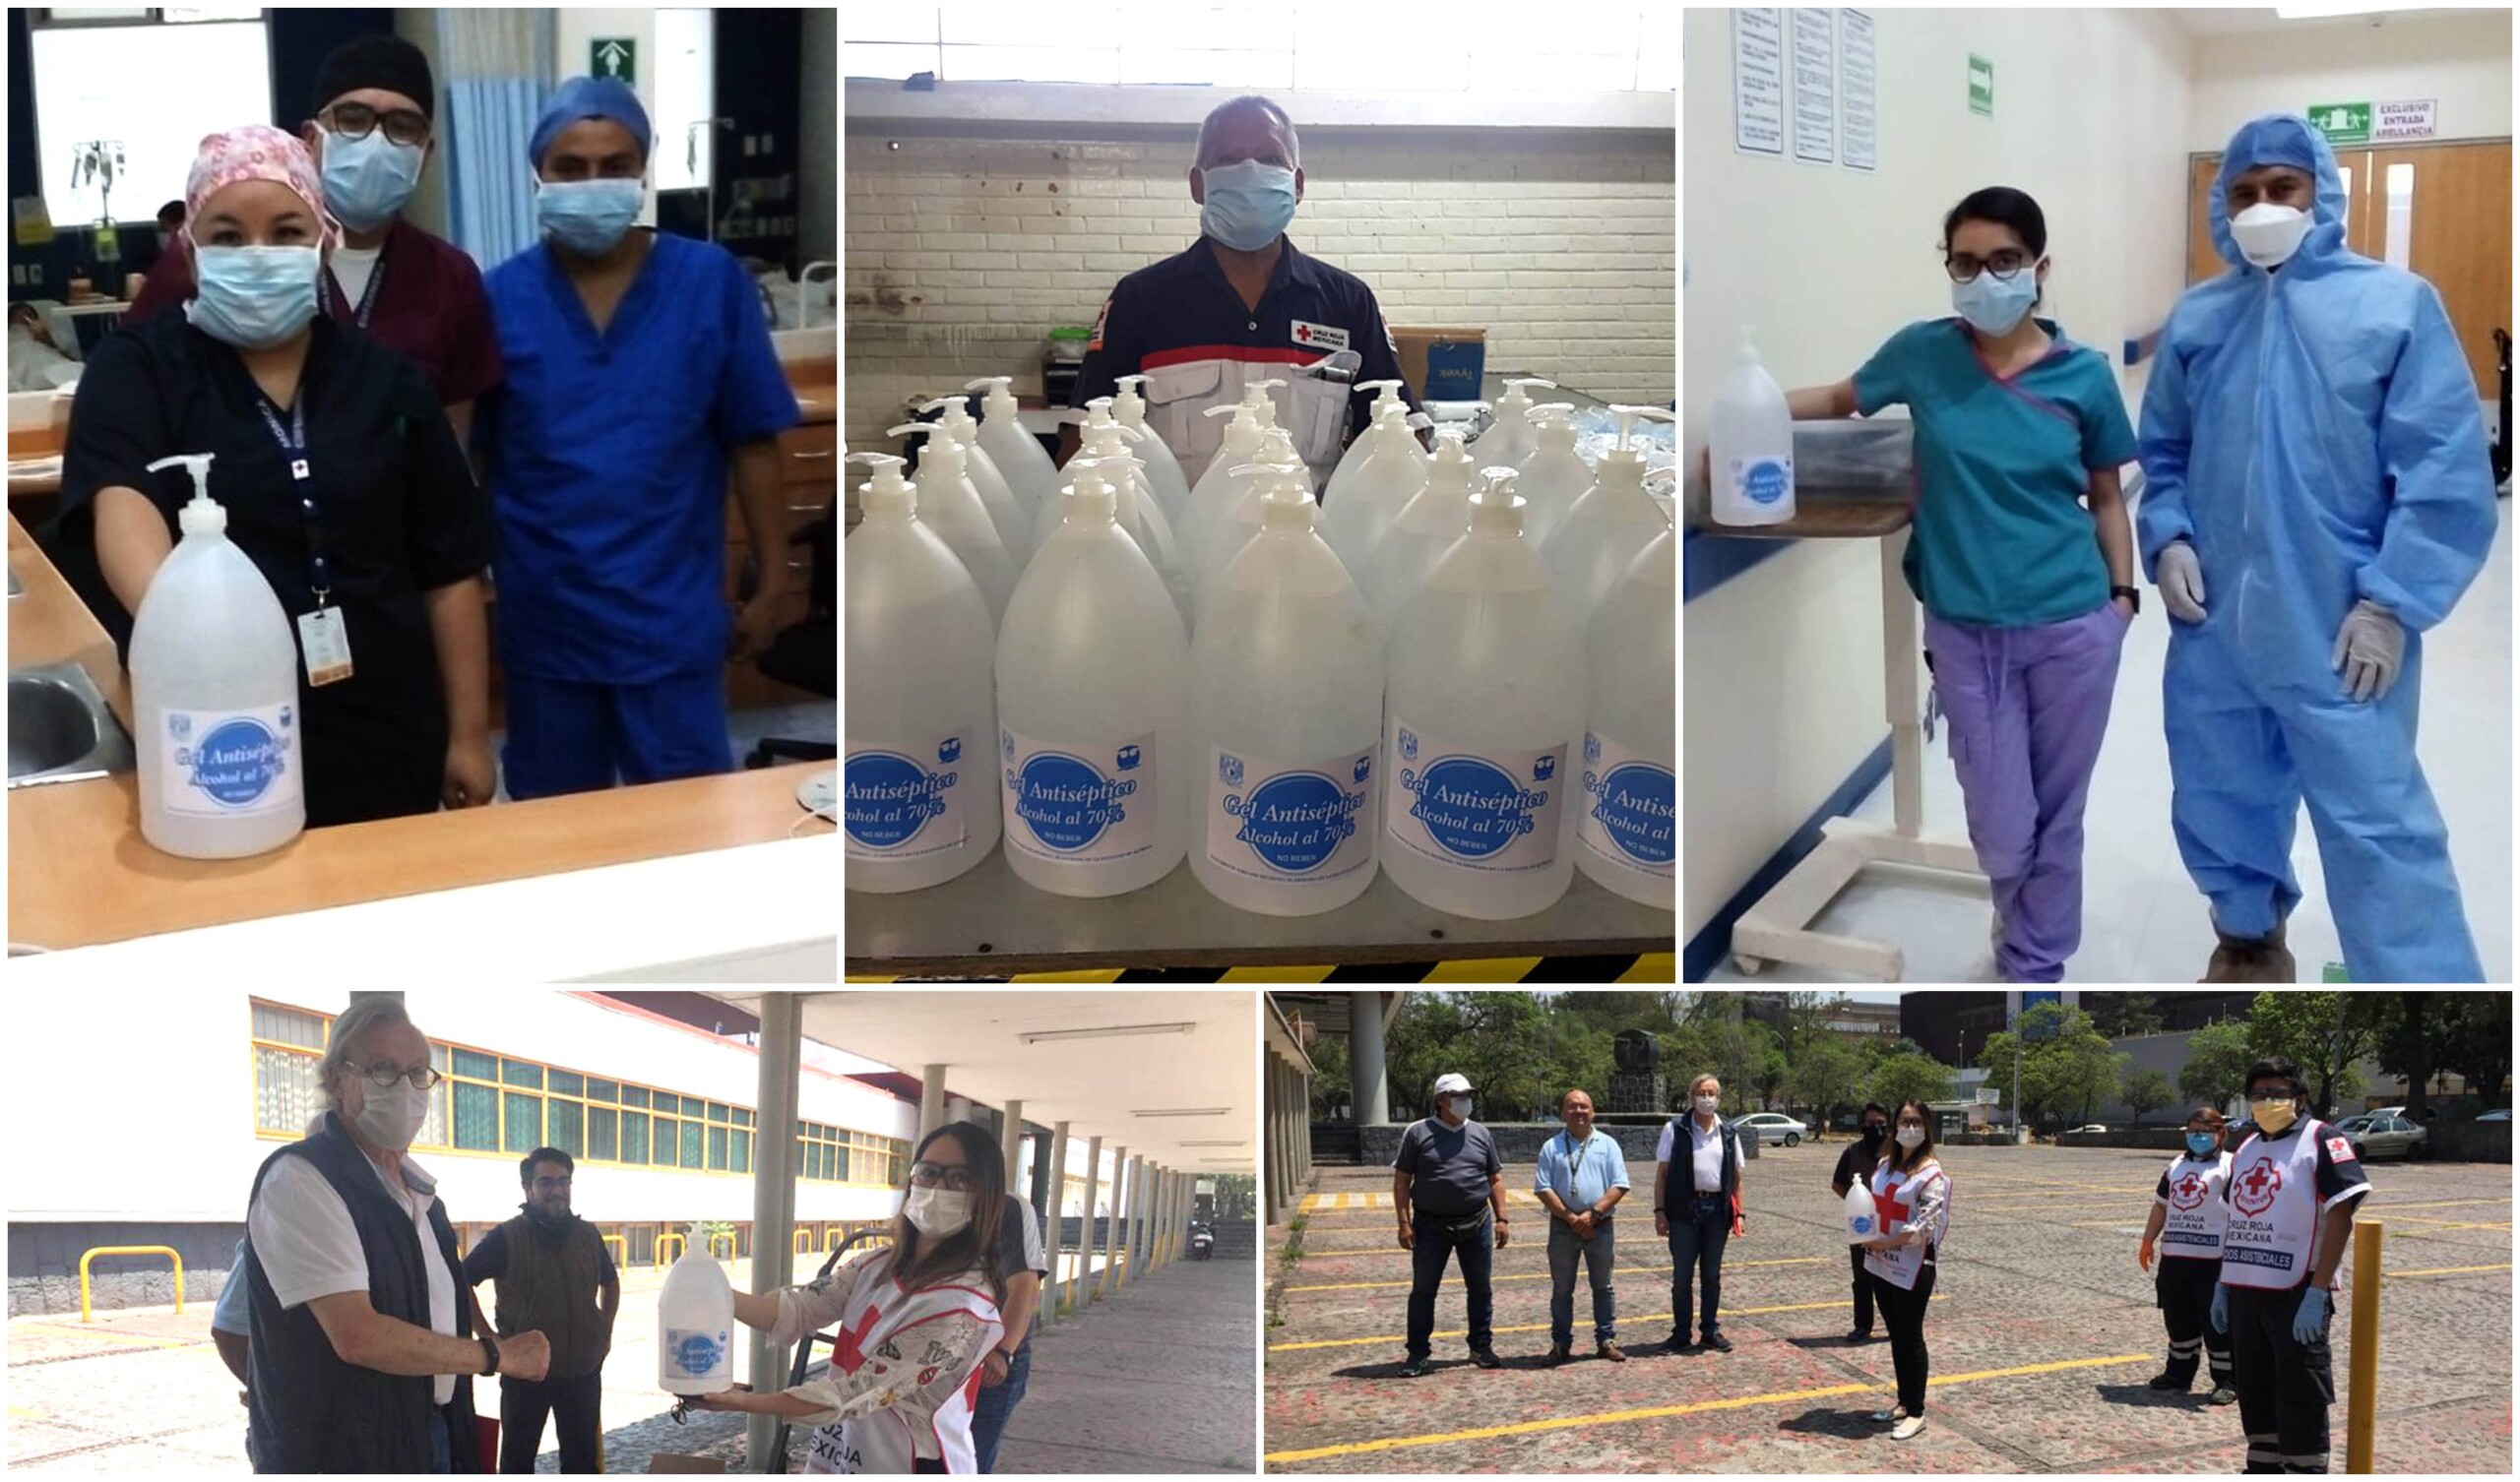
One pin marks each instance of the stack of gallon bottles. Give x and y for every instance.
(1456, 667)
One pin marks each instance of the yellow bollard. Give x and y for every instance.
(131, 1250)
(2362, 1359)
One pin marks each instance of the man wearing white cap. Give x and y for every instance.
(1448, 1186)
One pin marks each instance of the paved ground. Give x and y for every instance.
(142, 1393)
(2043, 1335)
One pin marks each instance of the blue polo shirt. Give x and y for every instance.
(1181, 323)
(2001, 538)
(607, 461)
(1580, 1174)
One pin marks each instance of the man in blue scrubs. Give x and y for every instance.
(639, 375)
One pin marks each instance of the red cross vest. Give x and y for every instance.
(1894, 1195)
(2272, 1238)
(2192, 1219)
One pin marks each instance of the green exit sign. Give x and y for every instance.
(1981, 86)
(614, 57)
(2343, 123)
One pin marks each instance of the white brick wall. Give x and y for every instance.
(961, 254)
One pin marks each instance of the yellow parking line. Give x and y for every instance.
(2444, 1203)
(1651, 1317)
(2442, 1224)
(119, 1338)
(1632, 1270)
(2449, 1271)
(1664, 1412)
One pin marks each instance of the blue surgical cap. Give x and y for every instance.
(2273, 139)
(582, 98)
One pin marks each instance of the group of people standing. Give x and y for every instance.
(2246, 1242)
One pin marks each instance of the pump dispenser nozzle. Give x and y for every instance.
(1255, 395)
(1001, 389)
(1286, 496)
(1449, 464)
(1516, 397)
(886, 491)
(958, 415)
(1498, 507)
(944, 449)
(1090, 494)
(202, 515)
(1130, 405)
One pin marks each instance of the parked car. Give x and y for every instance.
(2387, 1135)
(1772, 1127)
(2499, 1114)
(2351, 1125)
(2087, 1127)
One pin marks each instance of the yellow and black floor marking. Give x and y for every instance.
(1595, 971)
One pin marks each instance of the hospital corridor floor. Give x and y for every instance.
(2143, 920)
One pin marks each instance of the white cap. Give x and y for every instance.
(1277, 445)
(1255, 395)
(1285, 495)
(1002, 393)
(887, 494)
(1555, 421)
(958, 415)
(201, 515)
(1090, 495)
(1448, 465)
(1498, 507)
(944, 450)
(1130, 405)
(1451, 1083)
(1514, 396)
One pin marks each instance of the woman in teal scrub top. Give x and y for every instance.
(2021, 554)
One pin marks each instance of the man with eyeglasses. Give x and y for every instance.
(360, 1333)
(372, 134)
(555, 1277)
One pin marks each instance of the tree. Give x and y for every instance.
(2145, 1090)
(2138, 1015)
(1768, 1064)
(2218, 1056)
(2409, 1044)
(1827, 1076)
(1331, 1078)
(2477, 1043)
(2066, 1064)
(2324, 1033)
(1909, 1078)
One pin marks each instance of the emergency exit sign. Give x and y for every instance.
(2343, 123)
(614, 57)
(1981, 86)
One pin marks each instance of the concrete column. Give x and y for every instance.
(1040, 1193)
(1104, 1279)
(1273, 1187)
(1303, 1144)
(774, 1196)
(1133, 1243)
(931, 1100)
(1368, 1077)
(1083, 1280)
(1151, 1230)
(1010, 1141)
(1051, 1223)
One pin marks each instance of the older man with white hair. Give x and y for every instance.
(360, 1325)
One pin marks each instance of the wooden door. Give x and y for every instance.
(2444, 213)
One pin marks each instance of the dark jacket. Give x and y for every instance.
(546, 1283)
(309, 1411)
(1680, 1190)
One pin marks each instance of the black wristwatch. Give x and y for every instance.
(2134, 599)
(490, 1355)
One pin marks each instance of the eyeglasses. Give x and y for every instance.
(383, 1076)
(2006, 265)
(358, 120)
(936, 1175)
(552, 1182)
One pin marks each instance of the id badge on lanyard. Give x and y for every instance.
(323, 638)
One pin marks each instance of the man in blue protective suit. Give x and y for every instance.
(2315, 459)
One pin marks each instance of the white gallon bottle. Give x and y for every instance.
(1555, 475)
(1386, 394)
(1508, 439)
(1020, 457)
(1392, 474)
(920, 769)
(1286, 717)
(950, 505)
(1162, 469)
(1628, 835)
(1601, 536)
(1092, 708)
(1750, 444)
(1231, 532)
(1140, 518)
(1219, 488)
(696, 1323)
(1012, 515)
(1484, 713)
(215, 699)
(1430, 524)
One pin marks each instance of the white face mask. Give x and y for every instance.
(1706, 1105)
(1459, 1106)
(391, 1118)
(1912, 1138)
(938, 1214)
(2269, 235)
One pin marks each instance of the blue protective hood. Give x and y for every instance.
(2281, 139)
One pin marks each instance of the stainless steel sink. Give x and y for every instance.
(14, 590)
(60, 729)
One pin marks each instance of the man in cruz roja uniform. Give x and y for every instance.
(2295, 1187)
(1244, 305)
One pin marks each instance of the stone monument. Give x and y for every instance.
(1637, 1087)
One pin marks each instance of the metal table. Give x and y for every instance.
(991, 922)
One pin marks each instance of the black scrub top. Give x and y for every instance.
(398, 515)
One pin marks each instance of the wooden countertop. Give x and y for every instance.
(80, 872)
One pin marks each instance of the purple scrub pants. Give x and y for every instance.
(2028, 707)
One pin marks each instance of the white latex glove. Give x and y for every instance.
(2369, 648)
(2181, 581)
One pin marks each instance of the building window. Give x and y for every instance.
(288, 1047)
(567, 1130)
(692, 1133)
(634, 1138)
(717, 1149)
(524, 1123)
(603, 1143)
(477, 1117)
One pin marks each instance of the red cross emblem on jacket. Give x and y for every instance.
(1303, 331)
(2257, 1187)
(1893, 1207)
(849, 1344)
(2188, 1192)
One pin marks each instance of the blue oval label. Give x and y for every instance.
(890, 797)
(1066, 803)
(1296, 821)
(1765, 481)
(237, 762)
(1634, 807)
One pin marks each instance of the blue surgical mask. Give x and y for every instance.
(1993, 305)
(1248, 203)
(588, 216)
(253, 297)
(2202, 1144)
(366, 181)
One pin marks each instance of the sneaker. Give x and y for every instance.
(2224, 1394)
(1895, 1412)
(1859, 1335)
(2246, 960)
(1611, 1351)
(2168, 1381)
(1559, 1353)
(1485, 1358)
(1415, 1368)
(1906, 1428)
(1717, 1341)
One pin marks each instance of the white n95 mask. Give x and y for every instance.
(2269, 235)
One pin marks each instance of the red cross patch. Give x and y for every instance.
(1892, 1206)
(2188, 1192)
(2340, 1150)
(849, 1346)
(2257, 1187)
